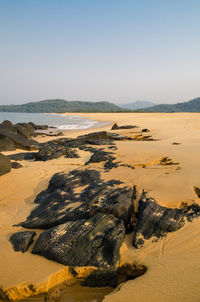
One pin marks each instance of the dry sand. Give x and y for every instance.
(173, 263)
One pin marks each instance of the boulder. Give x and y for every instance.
(52, 151)
(145, 130)
(87, 242)
(16, 165)
(108, 277)
(155, 221)
(19, 141)
(100, 155)
(116, 127)
(61, 202)
(25, 130)
(22, 240)
(22, 156)
(6, 144)
(5, 164)
(7, 124)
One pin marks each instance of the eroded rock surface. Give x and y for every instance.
(16, 165)
(5, 164)
(107, 277)
(79, 195)
(155, 221)
(86, 242)
(22, 240)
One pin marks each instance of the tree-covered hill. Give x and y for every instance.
(61, 106)
(190, 106)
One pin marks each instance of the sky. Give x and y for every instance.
(99, 50)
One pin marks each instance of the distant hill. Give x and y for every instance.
(61, 106)
(136, 105)
(190, 106)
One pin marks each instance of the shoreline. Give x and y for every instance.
(169, 185)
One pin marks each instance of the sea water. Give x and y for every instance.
(60, 121)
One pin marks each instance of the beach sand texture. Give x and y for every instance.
(173, 262)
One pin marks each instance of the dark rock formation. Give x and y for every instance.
(116, 127)
(25, 130)
(22, 156)
(63, 146)
(127, 166)
(102, 135)
(61, 202)
(145, 130)
(107, 277)
(156, 221)
(100, 155)
(22, 240)
(110, 164)
(197, 191)
(166, 161)
(175, 143)
(6, 144)
(191, 211)
(19, 141)
(5, 164)
(51, 151)
(92, 242)
(16, 165)
(18, 136)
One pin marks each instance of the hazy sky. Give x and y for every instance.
(114, 50)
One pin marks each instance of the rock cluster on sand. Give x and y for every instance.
(17, 136)
(60, 202)
(86, 219)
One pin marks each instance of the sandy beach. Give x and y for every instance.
(173, 262)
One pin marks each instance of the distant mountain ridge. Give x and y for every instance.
(61, 106)
(136, 105)
(190, 106)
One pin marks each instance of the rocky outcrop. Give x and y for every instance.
(85, 217)
(50, 151)
(22, 240)
(105, 277)
(17, 140)
(5, 164)
(100, 156)
(86, 242)
(18, 136)
(116, 127)
(61, 202)
(155, 221)
(6, 144)
(22, 156)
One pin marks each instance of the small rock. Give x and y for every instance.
(16, 165)
(145, 130)
(175, 143)
(22, 240)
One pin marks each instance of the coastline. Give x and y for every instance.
(166, 259)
